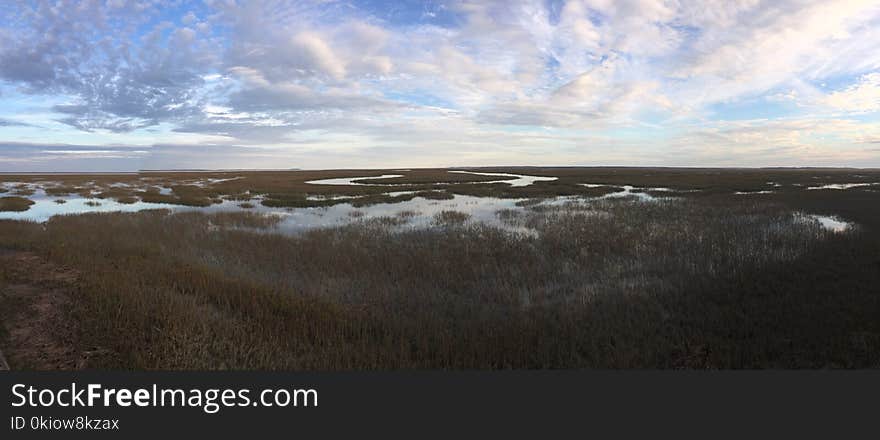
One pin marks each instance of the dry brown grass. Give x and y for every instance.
(12, 203)
(120, 194)
(451, 218)
(702, 282)
(127, 199)
(23, 191)
(661, 285)
(61, 190)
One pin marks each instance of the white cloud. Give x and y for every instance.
(785, 142)
(501, 79)
(751, 47)
(308, 51)
(863, 96)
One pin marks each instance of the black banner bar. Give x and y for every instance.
(607, 404)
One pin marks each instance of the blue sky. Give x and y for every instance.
(125, 85)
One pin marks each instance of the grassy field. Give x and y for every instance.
(707, 279)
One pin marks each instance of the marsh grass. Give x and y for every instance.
(231, 219)
(509, 216)
(435, 195)
(386, 221)
(127, 200)
(24, 192)
(529, 202)
(189, 198)
(406, 214)
(119, 194)
(651, 285)
(87, 192)
(702, 281)
(289, 188)
(61, 190)
(60, 201)
(13, 203)
(451, 218)
(374, 199)
(244, 197)
(153, 195)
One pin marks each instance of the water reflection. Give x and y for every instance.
(414, 213)
(45, 207)
(420, 212)
(829, 223)
(638, 192)
(842, 185)
(351, 180)
(511, 179)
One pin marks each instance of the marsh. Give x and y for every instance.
(436, 268)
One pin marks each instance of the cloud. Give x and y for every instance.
(117, 78)
(748, 48)
(864, 96)
(530, 80)
(258, 93)
(315, 55)
(785, 142)
(10, 123)
(42, 157)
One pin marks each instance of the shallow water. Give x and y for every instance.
(629, 191)
(351, 180)
(831, 223)
(322, 197)
(45, 207)
(480, 209)
(420, 211)
(841, 186)
(512, 179)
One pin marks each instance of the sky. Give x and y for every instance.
(114, 85)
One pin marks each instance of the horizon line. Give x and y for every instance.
(404, 168)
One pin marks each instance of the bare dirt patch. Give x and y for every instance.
(37, 332)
